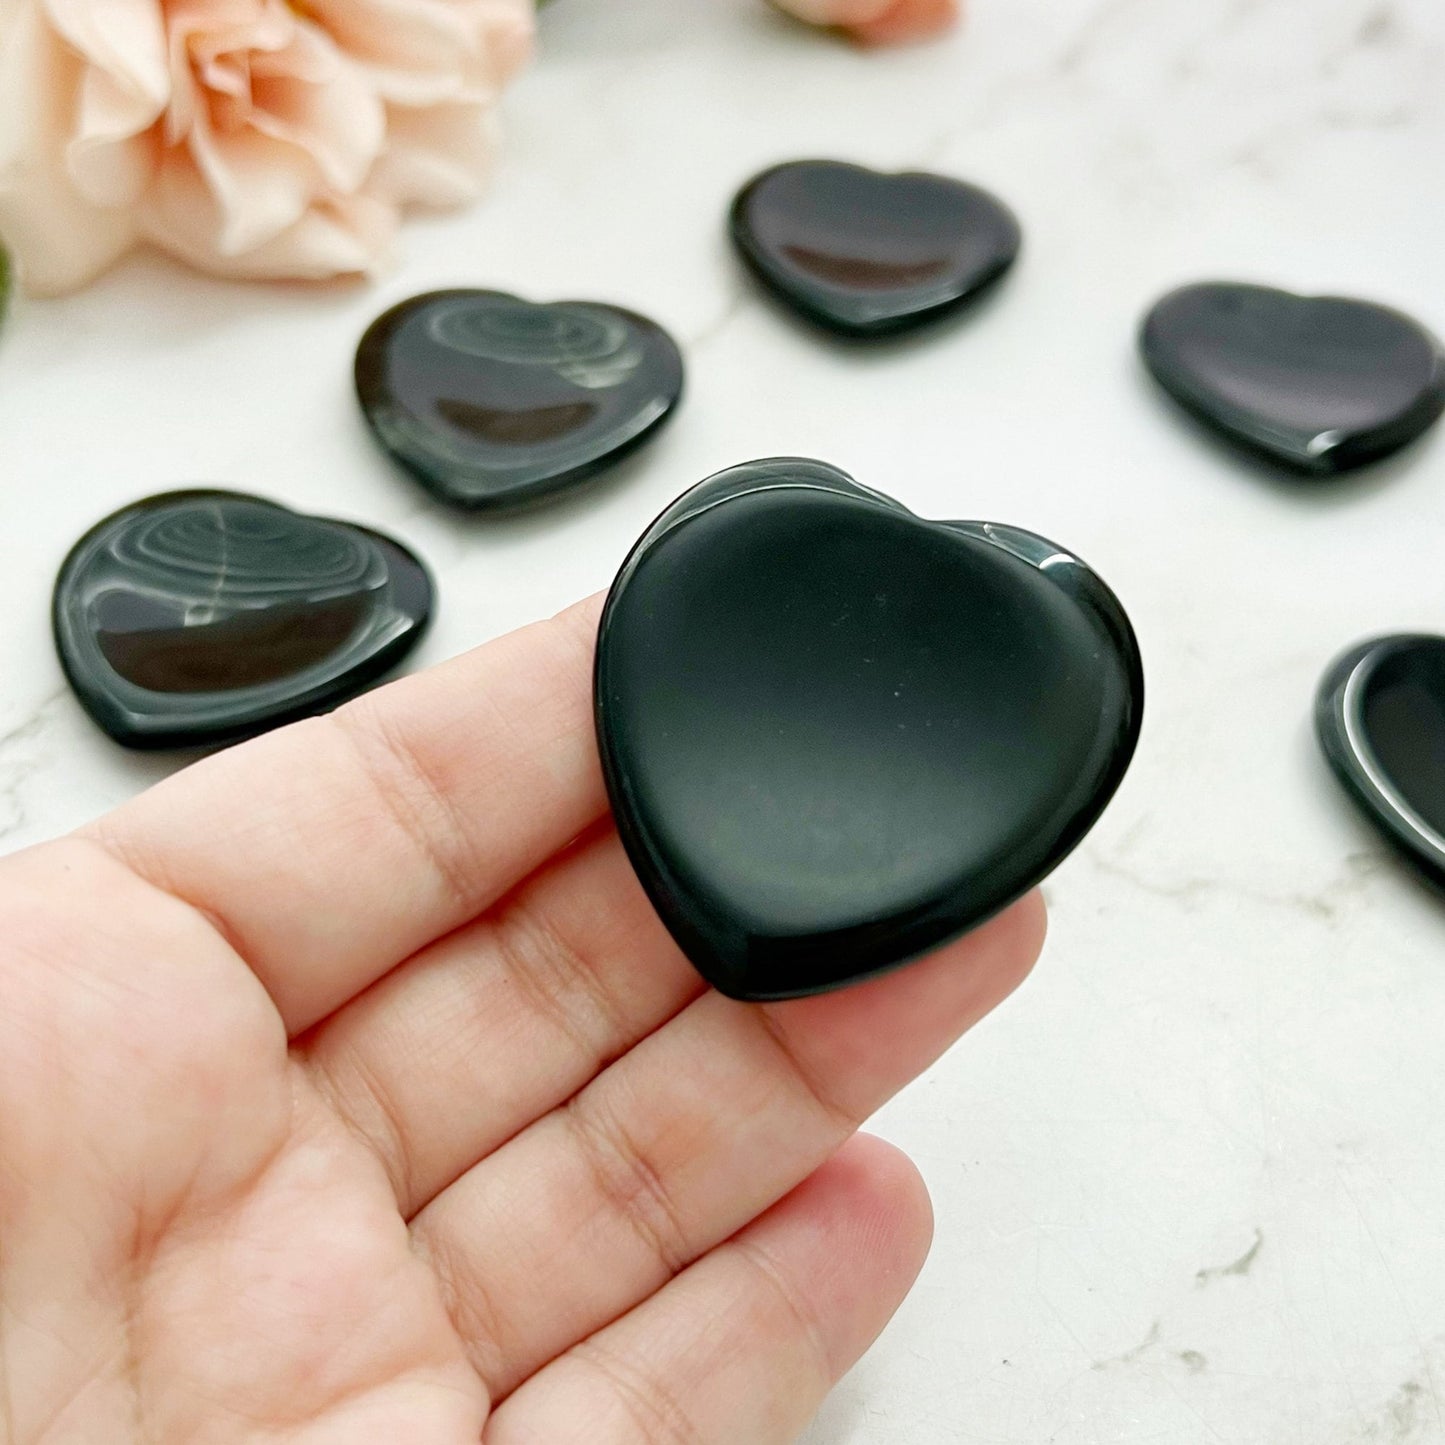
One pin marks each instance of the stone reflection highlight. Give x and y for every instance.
(1380, 720)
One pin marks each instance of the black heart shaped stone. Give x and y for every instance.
(866, 254)
(1380, 718)
(836, 735)
(1319, 383)
(494, 402)
(202, 617)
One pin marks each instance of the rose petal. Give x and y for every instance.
(438, 156)
(251, 137)
(424, 50)
(205, 29)
(258, 186)
(908, 20)
(504, 31)
(263, 172)
(247, 45)
(426, 35)
(112, 155)
(124, 38)
(228, 75)
(341, 126)
(341, 236)
(877, 22)
(58, 239)
(338, 236)
(834, 12)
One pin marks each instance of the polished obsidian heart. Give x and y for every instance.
(835, 735)
(205, 616)
(1380, 718)
(493, 402)
(865, 253)
(1319, 383)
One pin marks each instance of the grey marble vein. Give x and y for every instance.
(20, 761)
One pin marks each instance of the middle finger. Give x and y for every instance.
(484, 1032)
(686, 1139)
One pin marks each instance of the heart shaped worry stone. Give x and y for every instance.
(836, 735)
(864, 253)
(205, 616)
(492, 402)
(1319, 383)
(1380, 718)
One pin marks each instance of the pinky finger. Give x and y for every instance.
(746, 1343)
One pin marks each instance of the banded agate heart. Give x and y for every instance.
(201, 617)
(492, 402)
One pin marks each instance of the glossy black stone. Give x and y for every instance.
(836, 735)
(1380, 718)
(492, 402)
(865, 253)
(1319, 383)
(201, 617)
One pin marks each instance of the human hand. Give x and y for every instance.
(351, 1091)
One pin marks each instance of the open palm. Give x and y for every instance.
(350, 1091)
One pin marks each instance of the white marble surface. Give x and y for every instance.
(1190, 1183)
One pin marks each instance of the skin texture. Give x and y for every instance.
(351, 1091)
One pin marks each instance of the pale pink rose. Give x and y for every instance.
(878, 22)
(265, 138)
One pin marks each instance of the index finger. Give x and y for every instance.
(330, 850)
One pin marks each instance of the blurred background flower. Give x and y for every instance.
(268, 138)
(249, 137)
(877, 22)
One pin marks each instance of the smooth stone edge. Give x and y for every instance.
(1353, 452)
(1346, 750)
